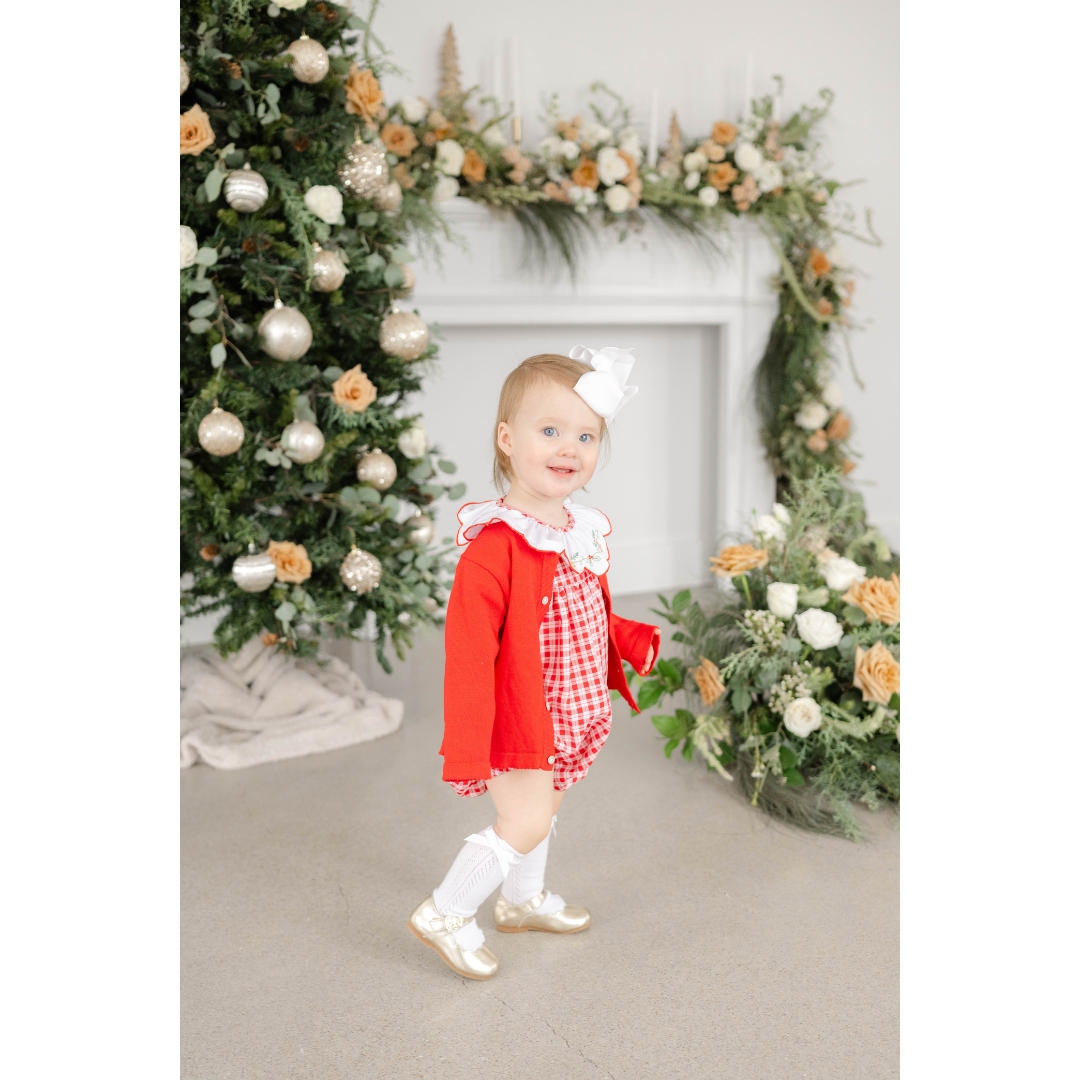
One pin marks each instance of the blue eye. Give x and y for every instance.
(584, 438)
(550, 431)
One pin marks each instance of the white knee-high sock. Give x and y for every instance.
(526, 880)
(480, 868)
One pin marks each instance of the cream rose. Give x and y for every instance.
(691, 180)
(695, 161)
(354, 391)
(414, 109)
(877, 673)
(748, 157)
(189, 246)
(611, 166)
(449, 157)
(494, 137)
(812, 416)
(413, 443)
(325, 202)
(779, 511)
(594, 134)
(290, 5)
(840, 573)
(769, 176)
(617, 198)
(783, 599)
(833, 394)
(630, 145)
(446, 187)
(708, 196)
(291, 560)
(770, 528)
(570, 150)
(819, 629)
(802, 716)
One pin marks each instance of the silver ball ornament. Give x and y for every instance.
(284, 333)
(365, 172)
(327, 270)
(377, 469)
(388, 199)
(245, 189)
(361, 571)
(310, 61)
(220, 433)
(254, 573)
(302, 441)
(185, 75)
(407, 286)
(421, 529)
(403, 334)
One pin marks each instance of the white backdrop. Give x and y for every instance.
(694, 52)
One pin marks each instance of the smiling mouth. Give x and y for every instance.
(561, 471)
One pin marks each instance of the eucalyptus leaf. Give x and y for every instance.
(393, 276)
(212, 185)
(402, 255)
(273, 94)
(217, 355)
(332, 374)
(374, 262)
(206, 256)
(201, 285)
(391, 504)
(456, 492)
(286, 612)
(199, 326)
(433, 491)
(202, 309)
(854, 615)
(447, 467)
(368, 495)
(366, 219)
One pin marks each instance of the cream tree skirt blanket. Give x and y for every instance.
(260, 706)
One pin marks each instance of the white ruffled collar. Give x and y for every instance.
(582, 540)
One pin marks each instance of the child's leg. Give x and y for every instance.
(526, 880)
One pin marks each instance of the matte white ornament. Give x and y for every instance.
(365, 172)
(302, 441)
(377, 469)
(360, 571)
(245, 189)
(221, 433)
(403, 334)
(284, 332)
(327, 271)
(388, 199)
(254, 572)
(421, 529)
(310, 61)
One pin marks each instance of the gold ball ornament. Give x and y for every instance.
(388, 199)
(365, 172)
(255, 572)
(302, 441)
(284, 333)
(361, 571)
(421, 529)
(245, 189)
(220, 433)
(327, 271)
(377, 469)
(407, 286)
(403, 334)
(310, 61)
(185, 75)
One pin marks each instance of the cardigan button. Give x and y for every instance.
(551, 760)
(544, 601)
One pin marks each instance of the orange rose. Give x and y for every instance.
(877, 673)
(401, 175)
(745, 193)
(847, 466)
(518, 173)
(398, 139)
(880, 599)
(819, 262)
(709, 683)
(585, 175)
(724, 133)
(631, 176)
(196, 134)
(269, 639)
(722, 176)
(473, 168)
(554, 191)
(291, 560)
(839, 427)
(354, 391)
(737, 559)
(818, 443)
(712, 150)
(362, 94)
(825, 307)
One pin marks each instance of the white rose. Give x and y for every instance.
(708, 196)
(840, 573)
(802, 716)
(769, 176)
(783, 599)
(290, 5)
(819, 629)
(495, 138)
(414, 109)
(812, 415)
(449, 157)
(611, 166)
(833, 394)
(695, 161)
(837, 256)
(747, 157)
(570, 149)
(413, 443)
(617, 199)
(445, 188)
(630, 145)
(582, 196)
(779, 511)
(594, 134)
(692, 180)
(324, 202)
(770, 528)
(189, 246)
(550, 147)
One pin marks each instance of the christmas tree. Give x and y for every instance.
(303, 472)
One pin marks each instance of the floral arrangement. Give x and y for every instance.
(793, 675)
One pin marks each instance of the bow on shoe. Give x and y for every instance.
(604, 388)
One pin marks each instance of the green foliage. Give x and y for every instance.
(295, 135)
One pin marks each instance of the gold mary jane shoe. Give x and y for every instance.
(518, 918)
(436, 932)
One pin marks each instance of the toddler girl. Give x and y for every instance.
(532, 647)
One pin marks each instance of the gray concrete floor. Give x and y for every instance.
(722, 944)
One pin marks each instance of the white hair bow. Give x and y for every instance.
(604, 388)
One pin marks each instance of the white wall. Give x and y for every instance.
(694, 52)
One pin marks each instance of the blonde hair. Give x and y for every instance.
(544, 366)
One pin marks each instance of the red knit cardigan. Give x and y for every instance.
(494, 713)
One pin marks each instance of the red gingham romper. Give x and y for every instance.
(574, 651)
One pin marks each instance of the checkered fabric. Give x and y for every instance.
(574, 651)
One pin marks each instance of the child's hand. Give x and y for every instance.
(648, 660)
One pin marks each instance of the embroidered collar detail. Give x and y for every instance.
(581, 541)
